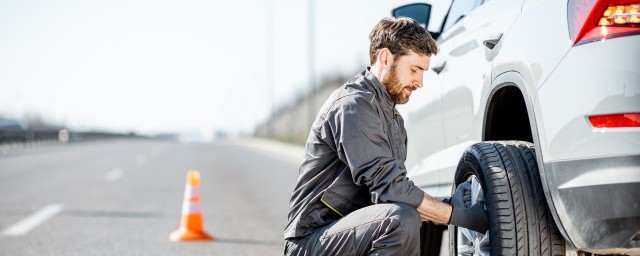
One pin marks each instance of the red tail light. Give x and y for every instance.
(616, 120)
(598, 20)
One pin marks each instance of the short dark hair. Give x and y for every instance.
(400, 35)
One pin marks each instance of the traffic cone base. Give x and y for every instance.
(187, 235)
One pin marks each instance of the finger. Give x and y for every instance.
(467, 187)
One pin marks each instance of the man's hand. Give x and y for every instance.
(456, 210)
(474, 218)
(462, 196)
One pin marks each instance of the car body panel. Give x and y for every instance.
(579, 160)
(597, 201)
(469, 75)
(561, 86)
(569, 134)
(433, 159)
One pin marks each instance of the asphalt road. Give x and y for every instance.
(124, 197)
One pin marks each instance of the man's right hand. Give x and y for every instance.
(474, 218)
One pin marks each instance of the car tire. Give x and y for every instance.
(505, 175)
(431, 238)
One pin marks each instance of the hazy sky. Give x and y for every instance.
(157, 66)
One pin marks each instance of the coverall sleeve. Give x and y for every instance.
(362, 144)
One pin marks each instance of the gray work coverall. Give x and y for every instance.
(352, 196)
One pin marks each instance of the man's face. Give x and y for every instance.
(404, 76)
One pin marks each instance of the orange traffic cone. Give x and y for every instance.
(191, 225)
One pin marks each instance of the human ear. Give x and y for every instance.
(386, 58)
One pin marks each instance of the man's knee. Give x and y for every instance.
(406, 214)
(401, 229)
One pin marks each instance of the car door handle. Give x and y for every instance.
(438, 66)
(493, 41)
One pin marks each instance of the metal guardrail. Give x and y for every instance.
(63, 136)
(17, 136)
(14, 141)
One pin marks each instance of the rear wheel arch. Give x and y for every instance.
(509, 101)
(506, 84)
(512, 84)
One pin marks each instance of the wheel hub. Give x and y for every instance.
(470, 242)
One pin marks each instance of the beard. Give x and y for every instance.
(395, 87)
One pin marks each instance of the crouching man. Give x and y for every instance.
(352, 196)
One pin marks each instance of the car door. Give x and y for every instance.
(425, 134)
(425, 130)
(471, 24)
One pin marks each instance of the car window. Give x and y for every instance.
(459, 9)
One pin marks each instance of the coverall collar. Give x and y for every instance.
(380, 91)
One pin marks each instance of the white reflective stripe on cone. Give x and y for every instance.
(190, 192)
(191, 207)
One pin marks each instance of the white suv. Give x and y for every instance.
(537, 102)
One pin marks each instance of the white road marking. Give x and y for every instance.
(33, 220)
(113, 174)
(141, 159)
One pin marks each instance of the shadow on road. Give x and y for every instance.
(248, 241)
